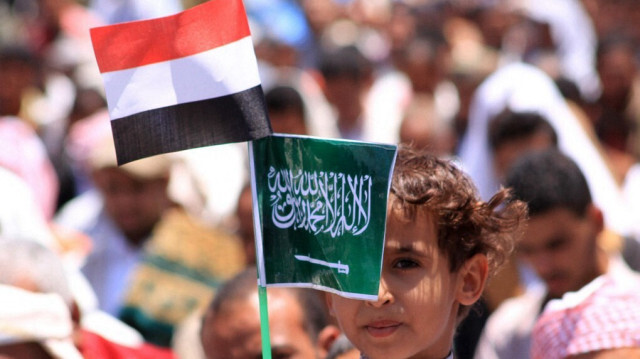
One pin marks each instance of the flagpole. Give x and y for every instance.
(264, 322)
(262, 289)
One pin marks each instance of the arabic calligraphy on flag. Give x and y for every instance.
(320, 202)
(321, 212)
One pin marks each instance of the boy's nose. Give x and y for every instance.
(384, 296)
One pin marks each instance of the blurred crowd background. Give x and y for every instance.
(144, 246)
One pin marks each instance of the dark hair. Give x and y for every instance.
(511, 126)
(614, 128)
(238, 287)
(20, 54)
(24, 57)
(244, 284)
(346, 61)
(614, 41)
(281, 99)
(466, 224)
(548, 180)
(568, 89)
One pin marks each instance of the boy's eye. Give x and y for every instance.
(405, 263)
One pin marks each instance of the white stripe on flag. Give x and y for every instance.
(218, 72)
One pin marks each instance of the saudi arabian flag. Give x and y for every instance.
(321, 212)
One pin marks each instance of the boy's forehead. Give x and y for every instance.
(410, 229)
(400, 211)
(416, 244)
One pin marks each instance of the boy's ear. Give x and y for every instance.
(472, 279)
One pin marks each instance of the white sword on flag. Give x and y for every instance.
(342, 268)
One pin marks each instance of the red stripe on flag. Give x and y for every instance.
(201, 28)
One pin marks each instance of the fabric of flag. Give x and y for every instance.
(181, 81)
(320, 210)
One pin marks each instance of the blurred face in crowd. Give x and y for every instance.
(51, 10)
(423, 128)
(16, 77)
(418, 298)
(135, 205)
(508, 152)
(561, 247)
(289, 121)
(617, 71)
(234, 331)
(494, 22)
(344, 93)
(320, 13)
(421, 64)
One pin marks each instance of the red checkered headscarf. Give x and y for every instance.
(603, 315)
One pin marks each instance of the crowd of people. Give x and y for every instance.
(156, 258)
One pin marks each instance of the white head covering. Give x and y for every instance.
(603, 315)
(34, 317)
(522, 87)
(575, 38)
(20, 216)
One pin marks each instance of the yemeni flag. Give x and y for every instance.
(181, 81)
(320, 208)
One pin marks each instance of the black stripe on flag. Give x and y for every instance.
(233, 118)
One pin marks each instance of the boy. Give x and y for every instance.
(442, 243)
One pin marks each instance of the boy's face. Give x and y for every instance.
(415, 315)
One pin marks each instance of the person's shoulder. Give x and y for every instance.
(517, 314)
(621, 272)
(507, 333)
(85, 213)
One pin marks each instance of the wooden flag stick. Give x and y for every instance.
(262, 286)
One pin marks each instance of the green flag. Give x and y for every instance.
(321, 212)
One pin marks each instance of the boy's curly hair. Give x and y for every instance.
(466, 225)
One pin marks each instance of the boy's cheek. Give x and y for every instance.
(340, 307)
(328, 298)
